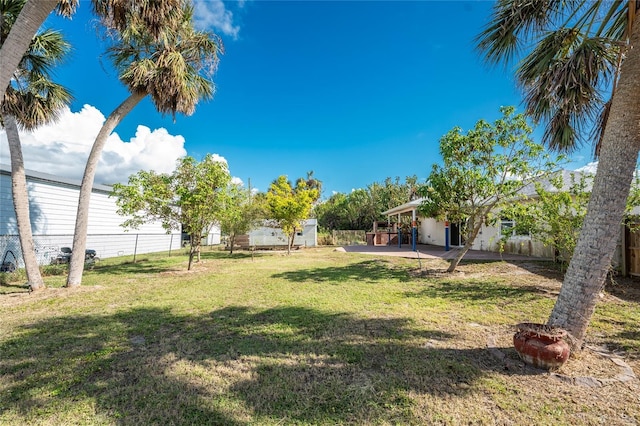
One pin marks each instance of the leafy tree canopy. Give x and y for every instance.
(192, 197)
(361, 207)
(288, 206)
(483, 170)
(240, 213)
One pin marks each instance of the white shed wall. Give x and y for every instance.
(270, 236)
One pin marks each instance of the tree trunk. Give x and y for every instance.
(21, 204)
(290, 241)
(31, 17)
(233, 241)
(467, 246)
(192, 252)
(76, 266)
(601, 229)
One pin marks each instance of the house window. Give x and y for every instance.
(508, 228)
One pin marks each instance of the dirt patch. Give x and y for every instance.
(624, 288)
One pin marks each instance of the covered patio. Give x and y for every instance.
(407, 209)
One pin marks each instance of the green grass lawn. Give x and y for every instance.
(318, 337)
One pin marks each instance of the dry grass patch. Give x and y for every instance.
(318, 337)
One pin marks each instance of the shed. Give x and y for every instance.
(268, 236)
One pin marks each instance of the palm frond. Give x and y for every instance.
(512, 21)
(562, 79)
(47, 49)
(66, 7)
(40, 103)
(9, 11)
(616, 26)
(153, 15)
(174, 68)
(568, 69)
(33, 98)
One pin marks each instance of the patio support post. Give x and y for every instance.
(399, 232)
(388, 230)
(414, 230)
(446, 235)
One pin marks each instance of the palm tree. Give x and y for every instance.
(580, 51)
(118, 14)
(174, 69)
(30, 101)
(312, 183)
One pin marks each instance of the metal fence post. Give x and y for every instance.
(135, 249)
(170, 245)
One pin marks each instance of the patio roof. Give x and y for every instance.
(404, 208)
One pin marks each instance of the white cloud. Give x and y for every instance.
(237, 181)
(62, 148)
(589, 168)
(212, 14)
(219, 158)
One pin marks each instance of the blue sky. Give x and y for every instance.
(355, 91)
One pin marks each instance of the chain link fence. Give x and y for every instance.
(51, 249)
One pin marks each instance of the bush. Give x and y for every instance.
(12, 277)
(325, 239)
(51, 270)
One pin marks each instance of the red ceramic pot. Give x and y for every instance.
(541, 346)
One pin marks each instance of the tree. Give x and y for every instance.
(555, 213)
(289, 206)
(191, 197)
(579, 51)
(117, 14)
(359, 210)
(391, 193)
(330, 212)
(312, 183)
(31, 100)
(239, 214)
(361, 207)
(482, 171)
(173, 69)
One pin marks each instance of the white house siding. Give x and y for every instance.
(432, 231)
(53, 203)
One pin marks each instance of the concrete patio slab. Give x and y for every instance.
(426, 251)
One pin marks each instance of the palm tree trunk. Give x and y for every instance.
(601, 229)
(31, 17)
(76, 266)
(21, 204)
